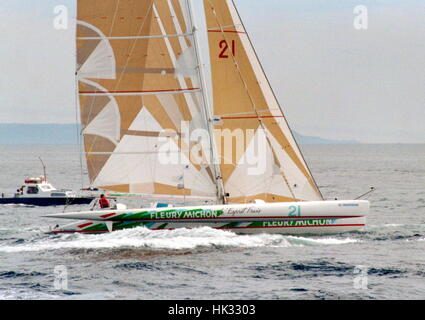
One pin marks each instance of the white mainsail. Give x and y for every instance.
(138, 78)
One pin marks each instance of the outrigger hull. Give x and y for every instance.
(322, 217)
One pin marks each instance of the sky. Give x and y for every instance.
(332, 80)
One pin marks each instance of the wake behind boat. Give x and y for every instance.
(151, 127)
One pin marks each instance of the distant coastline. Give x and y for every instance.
(317, 140)
(16, 133)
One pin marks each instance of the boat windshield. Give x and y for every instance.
(46, 187)
(32, 190)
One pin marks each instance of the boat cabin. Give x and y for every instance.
(39, 187)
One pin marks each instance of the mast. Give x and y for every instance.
(78, 122)
(208, 110)
(44, 169)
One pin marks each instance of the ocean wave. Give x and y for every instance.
(13, 274)
(320, 241)
(303, 269)
(383, 227)
(179, 239)
(320, 268)
(380, 272)
(393, 225)
(26, 294)
(17, 205)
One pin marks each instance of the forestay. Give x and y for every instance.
(244, 100)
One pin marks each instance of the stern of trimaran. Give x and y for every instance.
(144, 108)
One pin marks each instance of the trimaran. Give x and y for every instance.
(151, 128)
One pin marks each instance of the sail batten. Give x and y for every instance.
(137, 37)
(139, 93)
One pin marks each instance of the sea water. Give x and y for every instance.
(385, 261)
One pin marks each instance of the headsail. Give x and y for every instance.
(137, 75)
(243, 99)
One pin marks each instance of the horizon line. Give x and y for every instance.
(332, 141)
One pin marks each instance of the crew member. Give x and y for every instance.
(104, 202)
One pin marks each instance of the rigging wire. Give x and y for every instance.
(310, 177)
(372, 189)
(78, 130)
(256, 111)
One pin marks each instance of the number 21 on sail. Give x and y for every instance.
(224, 46)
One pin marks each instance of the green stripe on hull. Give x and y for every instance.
(117, 226)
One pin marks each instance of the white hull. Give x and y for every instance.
(321, 217)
